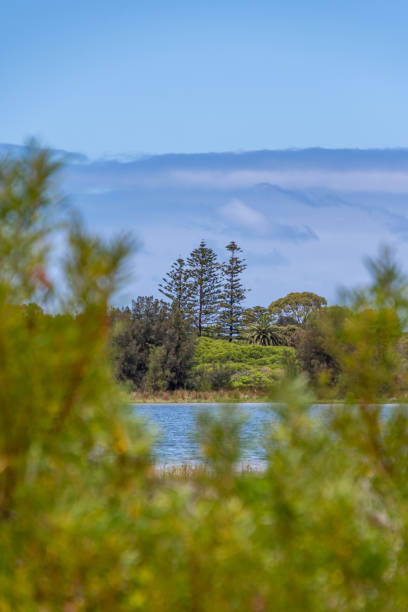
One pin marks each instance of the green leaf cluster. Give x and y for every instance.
(223, 364)
(153, 345)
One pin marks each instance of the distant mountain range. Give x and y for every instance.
(305, 218)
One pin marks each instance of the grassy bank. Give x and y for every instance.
(192, 472)
(220, 364)
(182, 396)
(227, 372)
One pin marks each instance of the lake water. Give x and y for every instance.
(176, 426)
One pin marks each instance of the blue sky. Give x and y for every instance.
(114, 80)
(131, 76)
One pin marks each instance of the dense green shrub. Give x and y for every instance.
(152, 345)
(209, 350)
(214, 376)
(259, 378)
(223, 364)
(316, 347)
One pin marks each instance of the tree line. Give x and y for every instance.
(208, 292)
(155, 340)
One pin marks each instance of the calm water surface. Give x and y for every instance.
(176, 426)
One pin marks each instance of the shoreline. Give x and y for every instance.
(190, 470)
(226, 396)
(198, 397)
(213, 397)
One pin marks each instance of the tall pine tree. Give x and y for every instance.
(177, 287)
(233, 293)
(204, 274)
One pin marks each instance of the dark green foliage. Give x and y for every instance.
(264, 332)
(315, 345)
(178, 344)
(260, 327)
(141, 331)
(139, 328)
(232, 293)
(204, 274)
(157, 374)
(296, 307)
(213, 376)
(288, 334)
(253, 315)
(177, 286)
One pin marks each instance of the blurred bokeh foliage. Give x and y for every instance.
(88, 523)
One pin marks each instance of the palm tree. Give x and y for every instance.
(263, 332)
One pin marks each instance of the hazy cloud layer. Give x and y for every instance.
(305, 219)
(388, 181)
(237, 212)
